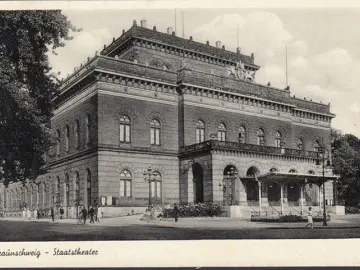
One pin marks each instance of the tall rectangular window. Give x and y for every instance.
(125, 184)
(155, 132)
(200, 131)
(125, 125)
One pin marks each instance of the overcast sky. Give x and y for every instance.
(323, 47)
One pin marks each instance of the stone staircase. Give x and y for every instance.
(272, 210)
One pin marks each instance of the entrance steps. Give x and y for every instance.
(243, 211)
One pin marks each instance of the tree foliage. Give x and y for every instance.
(27, 88)
(346, 162)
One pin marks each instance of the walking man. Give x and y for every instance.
(91, 214)
(310, 219)
(83, 214)
(52, 213)
(176, 212)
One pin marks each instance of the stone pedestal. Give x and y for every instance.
(338, 210)
(233, 211)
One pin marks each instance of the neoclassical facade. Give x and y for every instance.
(155, 118)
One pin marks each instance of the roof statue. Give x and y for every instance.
(183, 63)
(239, 72)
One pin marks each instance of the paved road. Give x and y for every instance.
(45, 231)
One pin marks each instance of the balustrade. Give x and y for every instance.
(244, 147)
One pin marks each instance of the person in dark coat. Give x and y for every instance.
(52, 213)
(83, 213)
(176, 212)
(91, 214)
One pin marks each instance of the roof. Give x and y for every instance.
(173, 40)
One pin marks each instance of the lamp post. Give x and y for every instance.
(147, 178)
(321, 154)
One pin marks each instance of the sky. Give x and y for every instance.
(323, 52)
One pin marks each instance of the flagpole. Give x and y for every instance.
(286, 65)
(175, 21)
(183, 31)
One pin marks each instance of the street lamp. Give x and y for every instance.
(147, 178)
(230, 176)
(321, 154)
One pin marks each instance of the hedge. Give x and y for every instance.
(195, 210)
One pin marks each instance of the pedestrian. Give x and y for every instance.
(28, 214)
(91, 214)
(310, 219)
(152, 213)
(176, 212)
(83, 213)
(99, 214)
(61, 213)
(38, 214)
(52, 214)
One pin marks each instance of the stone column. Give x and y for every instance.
(259, 186)
(282, 198)
(264, 194)
(242, 193)
(285, 193)
(302, 199)
(190, 186)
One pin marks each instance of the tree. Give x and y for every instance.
(27, 88)
(346, 162)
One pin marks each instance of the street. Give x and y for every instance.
(47, 231)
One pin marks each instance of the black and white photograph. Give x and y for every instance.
(179, 124)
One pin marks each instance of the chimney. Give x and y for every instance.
(218, 44)
(123, 32)
(223, 47)
(238, 50)
(207, 43)
(173, 33)
(134, 23)
(191, 38)
(143, 23)
(154, 28)
(169, 30)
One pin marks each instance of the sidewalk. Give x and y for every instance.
(204, 223)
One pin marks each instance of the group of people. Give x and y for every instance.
(94, 213)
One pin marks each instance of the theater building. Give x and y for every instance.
(158, 119)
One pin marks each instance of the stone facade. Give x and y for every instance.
(137, 107)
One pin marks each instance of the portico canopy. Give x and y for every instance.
(292, 178)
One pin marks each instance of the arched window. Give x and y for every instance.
(67, 139)
(316, 146)
(125, 183)
(300, 144)
(77, 134)
(77, 188)
(58, 143)
(88, 186)
(273, 170)
(242, 135)
(200, 131)
(311, 172)
(261, 137)
(156, 186)
(278, 139)
(67, 189)
(292, 171)
(88, 130)
(222, 132)
(155, 132)
(125, 124)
